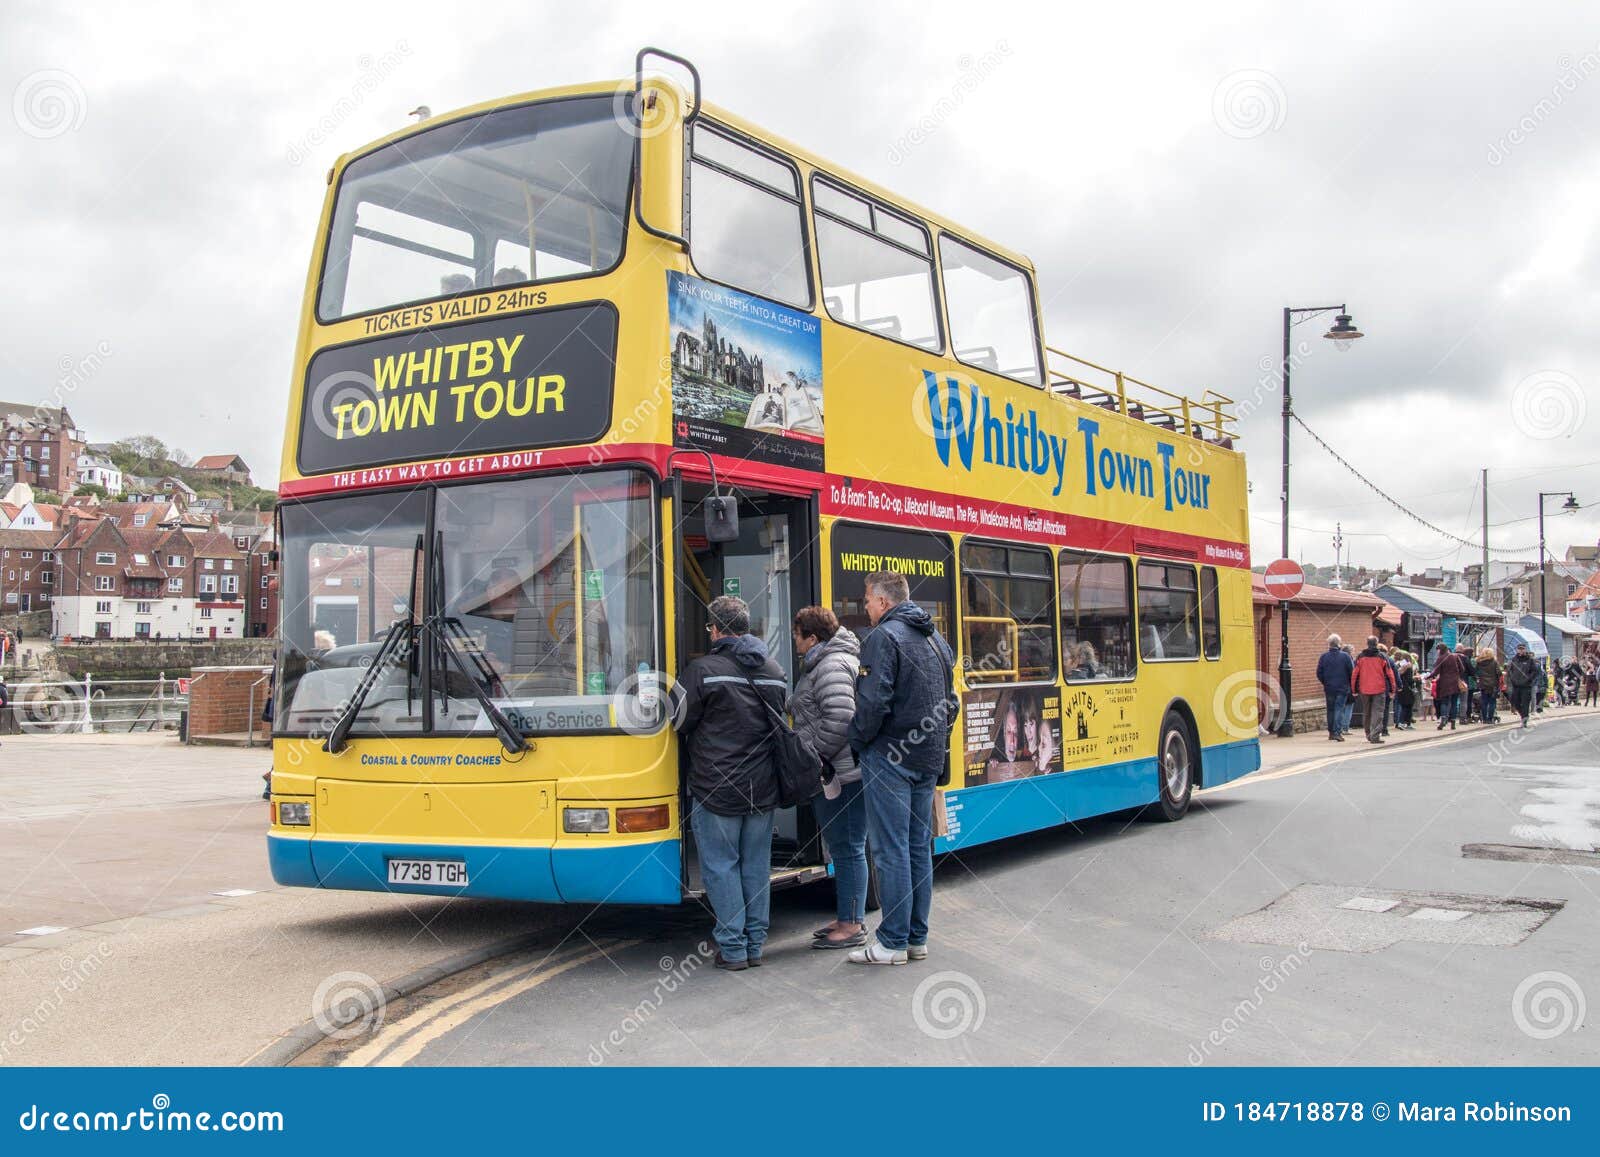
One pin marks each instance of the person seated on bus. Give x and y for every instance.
(454, 283)
(509, 275)
(1085, 663)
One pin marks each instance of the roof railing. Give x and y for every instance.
(1209, 418)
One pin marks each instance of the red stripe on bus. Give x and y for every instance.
(841, 496)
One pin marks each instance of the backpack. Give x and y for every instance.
(799, 765)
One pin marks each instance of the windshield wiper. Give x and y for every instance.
(335, 742)
(439, 626)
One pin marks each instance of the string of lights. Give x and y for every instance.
(1418, 519)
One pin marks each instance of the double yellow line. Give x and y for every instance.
(401, 1041)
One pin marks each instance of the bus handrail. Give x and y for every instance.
(1208, 417)
(637, 113)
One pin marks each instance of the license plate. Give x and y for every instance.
(444, 873)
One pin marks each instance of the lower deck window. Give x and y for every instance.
(1169, 611)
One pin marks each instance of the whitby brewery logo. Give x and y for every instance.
(1076, 713)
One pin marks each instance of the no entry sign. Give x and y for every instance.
(1284, 579)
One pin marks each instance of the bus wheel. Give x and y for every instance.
(1174, 767)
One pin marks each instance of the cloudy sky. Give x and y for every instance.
(1178, 175)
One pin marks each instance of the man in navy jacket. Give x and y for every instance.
(905, 708)
(1333, 672)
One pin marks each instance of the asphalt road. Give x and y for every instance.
(1328, 916)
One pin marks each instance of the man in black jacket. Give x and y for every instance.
(733, 778)
(1521, 675)
(905, 708)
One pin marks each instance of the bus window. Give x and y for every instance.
(1210, 613)
(1096, 617)
(991, 312)
(744, 219)
(1008, 624)
(877, 267)
(351, 567)
(1169, 611)
(551, 583)
(431, 214)
(927, 561)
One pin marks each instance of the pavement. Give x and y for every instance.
(176, 948)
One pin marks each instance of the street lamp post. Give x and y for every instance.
(1544, 618)
(1342, 333)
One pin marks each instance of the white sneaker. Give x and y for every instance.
(876, 953)
(916, 952)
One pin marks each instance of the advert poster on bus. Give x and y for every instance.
(1012, 733)
(746, 375)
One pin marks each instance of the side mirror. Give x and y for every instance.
(722, 519)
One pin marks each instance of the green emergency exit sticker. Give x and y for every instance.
(731, 586)
(594, 584)
(594, 683)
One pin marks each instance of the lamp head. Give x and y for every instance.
(1343, 332)
(1570, 504)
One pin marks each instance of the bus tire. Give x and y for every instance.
(1175, 769)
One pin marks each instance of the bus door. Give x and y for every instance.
(773, 565)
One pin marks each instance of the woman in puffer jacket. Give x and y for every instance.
(822, 705)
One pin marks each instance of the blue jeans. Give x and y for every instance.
(736, 865)
(1447, 708)
(1334, 700)
(900, 818)
(1349, 714)
(1488, 705)
(844, 828)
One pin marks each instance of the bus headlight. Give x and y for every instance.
(586, 819)
(294, 815)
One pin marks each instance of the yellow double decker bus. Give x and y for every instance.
(573, 363)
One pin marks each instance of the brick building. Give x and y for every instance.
(39, 445)
(148, 581)
(27, 570)
(1314, 614)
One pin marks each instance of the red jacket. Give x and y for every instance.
(1372, 675)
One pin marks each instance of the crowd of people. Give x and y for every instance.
(1465, 684)
(878, 714)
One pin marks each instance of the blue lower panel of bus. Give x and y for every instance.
(998, 810)
(614, 874)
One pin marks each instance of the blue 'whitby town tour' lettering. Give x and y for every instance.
(1020, 441)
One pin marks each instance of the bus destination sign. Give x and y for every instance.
(508, 383)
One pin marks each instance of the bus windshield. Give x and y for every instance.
(531, 193)
(539, 591)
